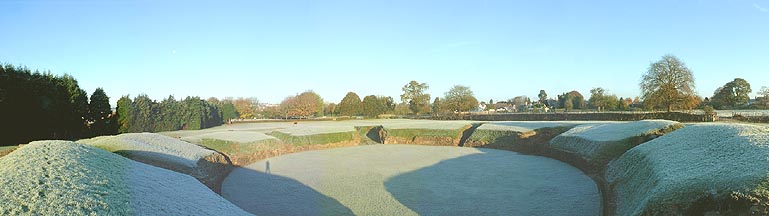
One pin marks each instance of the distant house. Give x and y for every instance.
(506, 107)
(481, 106)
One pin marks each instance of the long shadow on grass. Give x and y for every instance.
(497, 182)
(254, 191)
(266, 194)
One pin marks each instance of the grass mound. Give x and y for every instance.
(600, 143)
(438, 133)
(67, 178)
(242, 154)
(232, 136)
(515, 135)
(315, 139)
(524, 126)
(696, 170)
(166, 152)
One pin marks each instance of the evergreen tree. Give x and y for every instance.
(350, 105)
(99, 111)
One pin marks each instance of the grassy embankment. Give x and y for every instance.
(600, 143)
(67, 178)
(207, 166)
(438, 133)
(703, 169)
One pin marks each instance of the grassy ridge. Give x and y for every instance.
(487, 137)
(63, 178)
(407, 133)
(423, 136)
(696, 170)
(68, 178)
(315, 139)
(601, 143)
(234, 148)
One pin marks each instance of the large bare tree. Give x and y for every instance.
(668, 83)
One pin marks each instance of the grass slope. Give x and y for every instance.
(599, 143)
(67, 178)
(162, 151)
(506, 135)
(442, 133)
(152, 147)
(4, 150)
(702, 168)
(232, 136)
(315, 139)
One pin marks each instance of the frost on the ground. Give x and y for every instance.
(692, 169)
(232, 136)
(524, 126)
(427, 124)
(150, 147)
(67, 178)
(305, 130)
(601, 142)
(411, 180)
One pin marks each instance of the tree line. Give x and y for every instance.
(39, 105)
(142, 114)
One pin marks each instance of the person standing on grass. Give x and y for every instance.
(267, 167)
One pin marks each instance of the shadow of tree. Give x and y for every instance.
(497, 183)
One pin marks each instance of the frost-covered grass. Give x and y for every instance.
(411, 180)
(315, 139)
(426, 124)
(232, 136)
(426, 132)
(152, 148)
(599, 143)
(423, 132)
(612, 131)
(524, 126)
(67, 178)
(508, 132)
(693, 170)
(233, 148)
(305, 130)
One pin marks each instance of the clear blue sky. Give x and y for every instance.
(273, 49)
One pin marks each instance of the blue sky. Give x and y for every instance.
(273, 49)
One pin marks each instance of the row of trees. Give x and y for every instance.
(35, 106)
(414, 101)
(143, 114)
(667, 85)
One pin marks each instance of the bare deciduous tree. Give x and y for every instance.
(668, 83)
